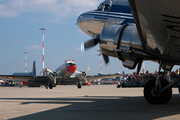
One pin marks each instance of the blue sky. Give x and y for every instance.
(20, 21)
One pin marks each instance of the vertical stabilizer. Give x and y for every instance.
(34, 69)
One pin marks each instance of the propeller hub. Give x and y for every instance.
(54, 74)
(84, 73)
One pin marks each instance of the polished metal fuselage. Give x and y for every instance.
(92, 22)
(107, 25)
(156, 33)
(62, 71)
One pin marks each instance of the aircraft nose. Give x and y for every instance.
(79, 19)
(72, 68)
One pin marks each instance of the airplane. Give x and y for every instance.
(153, 35)
(61, 76)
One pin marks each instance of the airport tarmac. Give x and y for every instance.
(96, 102)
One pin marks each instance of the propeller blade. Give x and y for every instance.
(85, 79)
(87, 70)
(58, 72)
(54, 79)
(106, 59)
(49, 70)
(78, 72)
(88, 44)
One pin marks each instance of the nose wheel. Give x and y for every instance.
(79, 85)
(50, 86)
(154, 95)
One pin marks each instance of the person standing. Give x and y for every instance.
(20, 84)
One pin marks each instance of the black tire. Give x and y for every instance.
(50, 86)
(79, 85)
(153, 98)
(118, 86)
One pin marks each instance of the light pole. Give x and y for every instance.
(25, 62)
(43, 44)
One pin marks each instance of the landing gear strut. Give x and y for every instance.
(179, 87)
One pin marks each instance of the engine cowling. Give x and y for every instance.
(81, 76)
(123, 42)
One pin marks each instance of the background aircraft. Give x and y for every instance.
(155, 37)
(61, 76)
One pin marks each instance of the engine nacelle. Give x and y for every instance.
(81, 76)
(122, 41)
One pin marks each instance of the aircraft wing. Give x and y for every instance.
(96, 77)
(40, 79)
(23, 78)
(60, 80)
(73, 80)
(158, 25)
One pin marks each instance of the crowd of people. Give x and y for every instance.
(138, 80)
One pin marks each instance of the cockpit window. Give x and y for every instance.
(100, 6)
(103, 7)
(70, 64)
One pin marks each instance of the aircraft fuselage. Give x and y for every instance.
(65, 70)
(92, 22)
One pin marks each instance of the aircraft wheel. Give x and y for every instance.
(118, 86)
(153, 97)
(79, 85)
(50, 86)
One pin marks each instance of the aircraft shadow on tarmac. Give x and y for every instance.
(105, 108)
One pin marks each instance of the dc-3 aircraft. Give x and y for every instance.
(155, 36)
(61, 76)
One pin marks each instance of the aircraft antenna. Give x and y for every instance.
(108, 10)
(25, 61)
